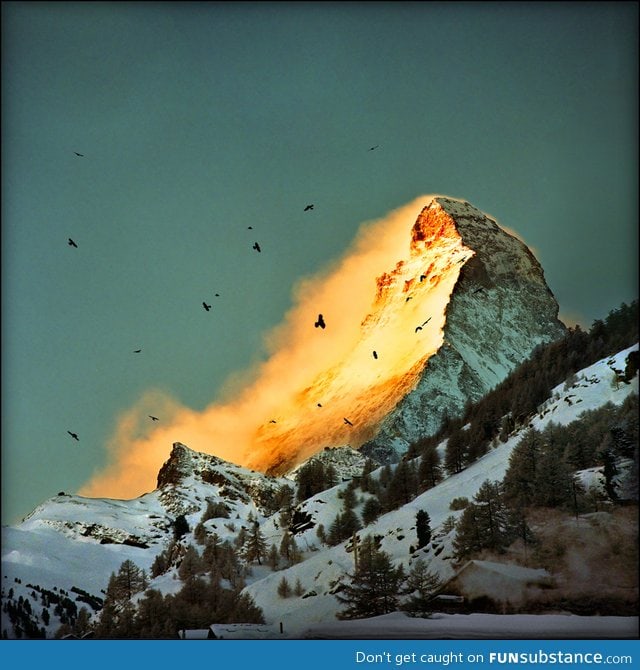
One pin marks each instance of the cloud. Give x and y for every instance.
(274, 418)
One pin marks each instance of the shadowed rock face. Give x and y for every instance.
(500, 309)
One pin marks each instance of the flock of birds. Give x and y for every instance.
(320, 322)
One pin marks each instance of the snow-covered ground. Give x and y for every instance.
(398, 625)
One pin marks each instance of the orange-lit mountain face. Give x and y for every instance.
(431, 306)
(400, 332)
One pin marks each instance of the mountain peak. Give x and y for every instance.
(499, 310)
(181, 464)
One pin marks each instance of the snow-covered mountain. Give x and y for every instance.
(499, 310)
(71, 544)
(453, 305)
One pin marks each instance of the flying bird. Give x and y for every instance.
(375, 354)
(153, 418)
(207, 307)
(137, 351)
(348, 422)
(272, 421)
(71, 243)
(74, 436)
(319, 405)
(479, 289)
(424, 323)
(308, 207)
(320, 322)
(217, 295)
(77, 154)
(249, 227)
(423, 277)
(256, 246)
(409, 298)
(372, 148)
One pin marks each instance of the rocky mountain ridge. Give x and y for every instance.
(500, 309)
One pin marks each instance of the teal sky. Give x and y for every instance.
(197, 120)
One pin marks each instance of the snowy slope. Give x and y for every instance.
(70, 541)
(324, 566)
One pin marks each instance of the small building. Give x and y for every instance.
(231, 631)
(505, 584)
(450, 604)
(195, 634)
(244, 631)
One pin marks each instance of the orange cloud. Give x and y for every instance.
(398, 273)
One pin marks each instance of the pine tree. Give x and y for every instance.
(373, 587)
(289, 549)
(521, 478)
(314, 477)
(284, 589)
(191, 564)
(298, 590)
(455, 452)
(154, 618)
(421, 586)
(367, 485)
(554, 481)
(200, 533)
(118, 612)
(423, 528)
(82, 625)
(485, 523)
(180, 526)
(429, 470)
(273, 557)
(371, 510)
(255, 545)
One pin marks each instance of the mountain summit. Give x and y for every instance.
(500, 308)
(464, 303)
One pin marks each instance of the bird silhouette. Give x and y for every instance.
(308, 207)
(74, 436)
(217, 295)
(375, 354)
(249, 227)
(372, 148)
(319, 405)
(424, 323)
(320, 322)
(348, 422)
(409, 298)
(272, 421)
(479, 289)
(423, 277)
(137, 351)
(207, 307)
(71, 243)
(153, 418)
(256, 246)
(77, 154)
